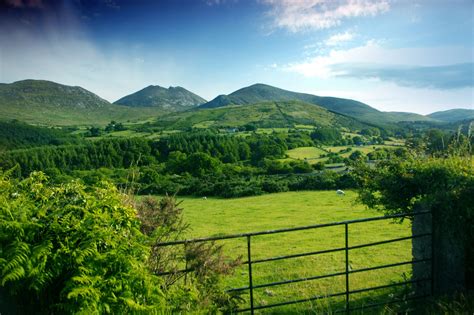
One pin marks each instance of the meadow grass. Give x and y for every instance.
(305, 153)
(213, 217)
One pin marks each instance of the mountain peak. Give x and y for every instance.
(49, 93)
(172, 98)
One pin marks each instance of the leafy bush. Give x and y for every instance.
(72, 249)
(443, 185)
(85, 249)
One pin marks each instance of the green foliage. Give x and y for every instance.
(77, 249)
(443, 185)
(399, 185)
(115, 126)
(14, 135)
(356, 155)
(94, 132)
(72, 249)
(326, 135)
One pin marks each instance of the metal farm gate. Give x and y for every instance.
(251, 307)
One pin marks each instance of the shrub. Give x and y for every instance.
(78, 249)
(69, 249)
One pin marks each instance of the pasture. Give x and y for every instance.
(213, 217)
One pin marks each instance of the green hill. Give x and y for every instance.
(453, 115)
(49, 103)
(264, 114)
(261, 93)
(173, 98)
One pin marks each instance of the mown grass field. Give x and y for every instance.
(213, 217)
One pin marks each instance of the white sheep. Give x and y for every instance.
(204, 198)
(340, 192)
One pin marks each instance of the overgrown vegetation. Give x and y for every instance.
(77, 249)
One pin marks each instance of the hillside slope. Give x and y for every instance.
(49, 103)
(261, 92)
(173, 98)
(453, 115)
(47, 93)
(264, 114)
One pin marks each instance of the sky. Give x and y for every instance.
(394, 55)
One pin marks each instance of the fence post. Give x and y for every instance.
(249, 254)
(432, 290)
(346, 227)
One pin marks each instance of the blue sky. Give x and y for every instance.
(395, 55)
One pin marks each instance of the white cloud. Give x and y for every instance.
(373, 53)
(300, 15)
(337, 39)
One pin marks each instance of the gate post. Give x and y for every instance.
(422, 249)
(447, 250)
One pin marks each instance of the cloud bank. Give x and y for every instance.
(434, 67)
(454, 76)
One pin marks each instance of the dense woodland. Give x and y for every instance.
(202, 163)
(196, 163)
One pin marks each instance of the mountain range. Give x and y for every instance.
(261, 92)
(50, 103)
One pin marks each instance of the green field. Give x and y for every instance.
(364, 149)
(308, 153)
(213, 217)
(313, 154)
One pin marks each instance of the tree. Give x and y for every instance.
(356, 155)
(94, 132)
(199, 164)
(326, 135)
